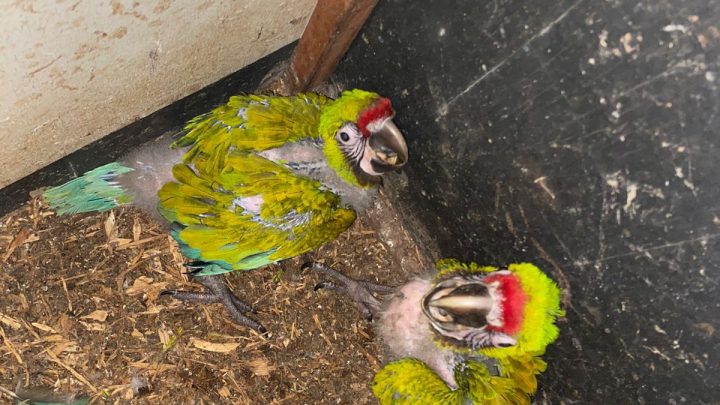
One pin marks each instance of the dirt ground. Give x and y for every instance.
(81, 314)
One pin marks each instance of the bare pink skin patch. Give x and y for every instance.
(407, 333)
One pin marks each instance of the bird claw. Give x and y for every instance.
(360, 291)
(217, 292)
(328, 285)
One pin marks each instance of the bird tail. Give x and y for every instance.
(96, 190)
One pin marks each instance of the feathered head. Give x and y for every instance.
(498, 312)
(361, 140)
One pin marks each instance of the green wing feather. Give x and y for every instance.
(410, 381)
(297, 214)
(252, 123)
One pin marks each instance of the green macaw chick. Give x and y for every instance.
(468, 335)
(256, 181)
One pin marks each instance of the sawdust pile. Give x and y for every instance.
(81, 316)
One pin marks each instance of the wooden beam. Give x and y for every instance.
(332, 27)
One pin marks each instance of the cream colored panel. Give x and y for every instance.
(73, 71)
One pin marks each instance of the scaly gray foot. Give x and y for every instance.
(217, 292)
(360, 291)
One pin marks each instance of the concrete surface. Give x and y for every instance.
(72, 72)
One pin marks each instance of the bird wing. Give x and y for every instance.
(252, 123)
(251, 213)
(410, 381)
(522, 370)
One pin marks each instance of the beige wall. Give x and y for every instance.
(73, 71)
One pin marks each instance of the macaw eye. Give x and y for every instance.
(348, 134)
(502, 340)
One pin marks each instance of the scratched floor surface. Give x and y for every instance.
(584, 136)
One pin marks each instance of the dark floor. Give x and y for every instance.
(582, 136)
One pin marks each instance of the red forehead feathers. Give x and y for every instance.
(380, 110)
(513, 303)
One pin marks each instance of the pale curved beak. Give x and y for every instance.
(389, 150)
(466, 303)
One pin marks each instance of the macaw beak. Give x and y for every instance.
(389, 150)
(467, 303)
(458, 304)
(463, 309)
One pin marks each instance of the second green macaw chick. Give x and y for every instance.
(256, 181)
(468, 335)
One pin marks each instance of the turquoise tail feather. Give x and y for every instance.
(96, 190)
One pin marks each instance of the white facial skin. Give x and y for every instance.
(355, 148)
